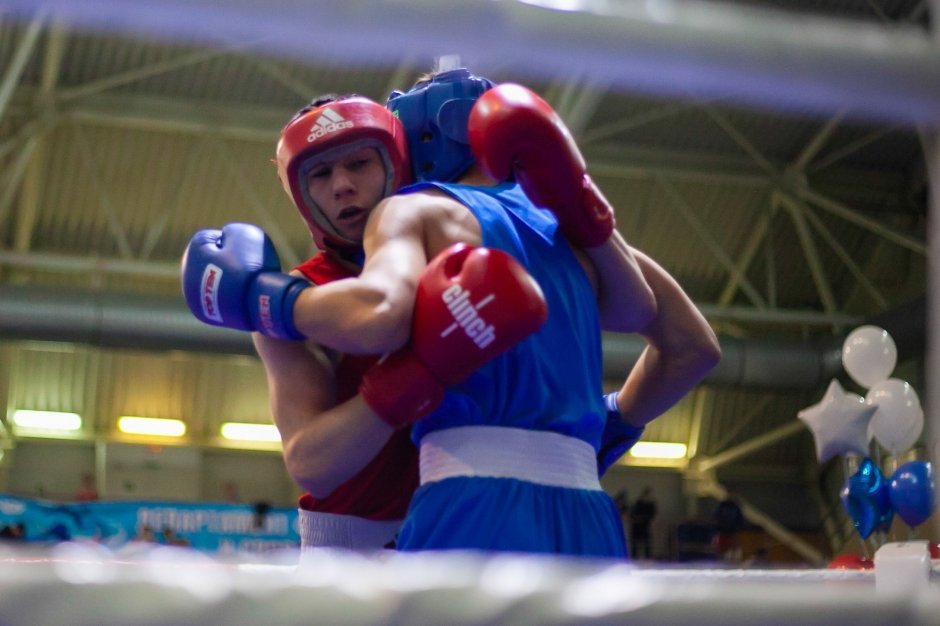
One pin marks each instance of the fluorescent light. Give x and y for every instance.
(242, 431)
(658, 450)
(47, 421)
(159, 427)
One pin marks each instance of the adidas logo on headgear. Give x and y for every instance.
(329, 122)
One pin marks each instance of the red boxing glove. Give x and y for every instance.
(472, 304)
(513, 131)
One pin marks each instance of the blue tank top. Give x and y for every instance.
(551, 380)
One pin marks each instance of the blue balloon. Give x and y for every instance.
(867, 499)
(883, 523)
(912, 492)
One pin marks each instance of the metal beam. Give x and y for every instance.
(698, 419)
(622, 125)
(740, 423)
(582, 106)
(771, 526)
(706, 464)
(262, 124)
(853, 146)
(146, 320)
(743, 142)
(174, 115)
(846, 259)
(404, 71)
(36, 168)
(70, 264)
(850, 215)
(140, 73)
(770, 259)
(823, 288)
(174, 193)
(14, 177)
(30, 190)
(787, 317)
(826, 508)
(708, 239)
(303, 91)
(170, 271)
(52, 63)
(751, 246)
(111, 215)
(21, 57)
(568, 91)
(815, 144)
(270, 225)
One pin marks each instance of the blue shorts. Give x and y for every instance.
(511, 515)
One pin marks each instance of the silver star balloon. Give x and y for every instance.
(839, 423)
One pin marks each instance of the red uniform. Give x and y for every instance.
(382, 490)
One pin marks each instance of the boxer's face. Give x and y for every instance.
(347, 189)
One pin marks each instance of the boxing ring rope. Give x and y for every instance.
(673, 48)
(87, 584)
(678, 48)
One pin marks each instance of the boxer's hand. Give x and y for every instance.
(472, 304)
(513, 131)
(618, 436)
(232, 277)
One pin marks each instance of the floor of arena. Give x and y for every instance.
(87, 584)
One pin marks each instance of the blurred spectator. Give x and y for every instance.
(13, 532)
(261, 513)
(641, 518)
(87, 492)
(145, 535)
(622, 500)
(760, 559)
(230, 492)
(170, 538)
(728, 520)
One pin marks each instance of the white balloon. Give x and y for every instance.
(898, 418)
(839, 423)
(869, 355)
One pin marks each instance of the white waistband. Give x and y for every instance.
(319, 530)
(536, 456)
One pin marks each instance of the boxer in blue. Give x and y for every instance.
(525, 426)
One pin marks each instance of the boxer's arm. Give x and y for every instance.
(625, 301)
(371, 314)
(324, 444)
(514, 132)
(681, 349)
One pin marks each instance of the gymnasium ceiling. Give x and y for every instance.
(789, 225)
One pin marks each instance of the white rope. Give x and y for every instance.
(84, 584)
(680, 48)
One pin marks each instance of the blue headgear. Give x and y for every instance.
(435, 116)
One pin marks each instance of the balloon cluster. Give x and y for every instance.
(891, 414)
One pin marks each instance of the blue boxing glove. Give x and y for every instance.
(232, 277)
(618, 436)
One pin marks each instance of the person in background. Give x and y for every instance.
(642, 514)
(728, 519)
(13, 532)
(87, 492)
(170, 538)
(145, 535)
(230, 492)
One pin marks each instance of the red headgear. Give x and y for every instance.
(346, 124)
